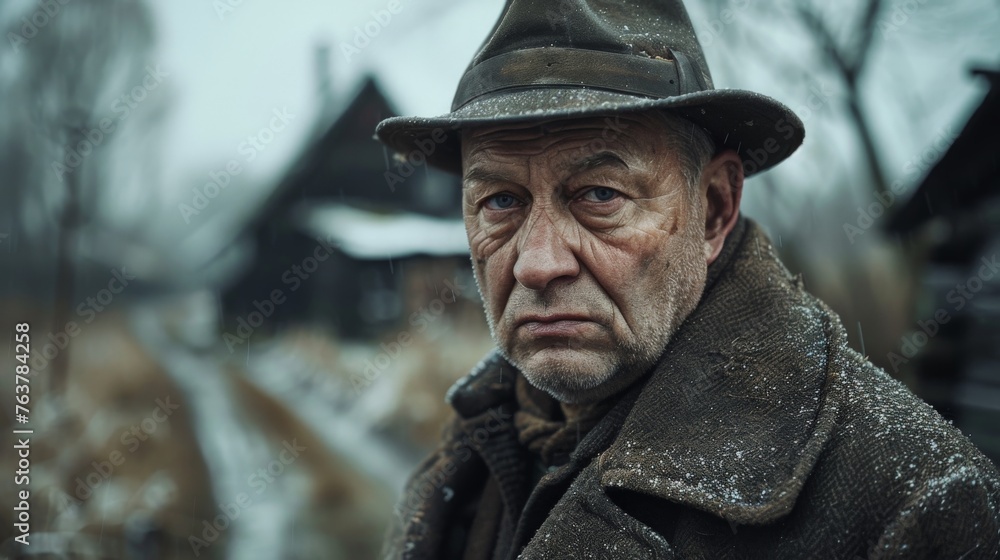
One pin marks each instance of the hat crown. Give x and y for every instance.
(652, 29)
(567, 59)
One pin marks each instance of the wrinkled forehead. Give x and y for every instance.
(625, 133)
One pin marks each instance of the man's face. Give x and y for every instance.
(587, 245)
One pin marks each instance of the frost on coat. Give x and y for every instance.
(759, 434)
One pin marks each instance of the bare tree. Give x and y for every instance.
(71, 63)
(848, 58)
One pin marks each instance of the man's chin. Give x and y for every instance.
(570, 375)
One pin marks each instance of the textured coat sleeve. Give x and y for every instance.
(394, 545)
(952, 516)
(420, 517)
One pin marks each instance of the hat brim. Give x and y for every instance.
(762, 130)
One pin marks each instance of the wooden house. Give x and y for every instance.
(354, 239)
(953, 224)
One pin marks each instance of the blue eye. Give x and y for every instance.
(501, 201)
(600, 194)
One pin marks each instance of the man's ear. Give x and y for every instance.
(722, 188)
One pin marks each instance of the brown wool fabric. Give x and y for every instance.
(481, 541)
(759, 434)
(549, 429)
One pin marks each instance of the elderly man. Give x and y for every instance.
(662, 386)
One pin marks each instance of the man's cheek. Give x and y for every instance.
(493, 282)
(484, 242)
(497, 282)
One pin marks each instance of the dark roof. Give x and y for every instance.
(968, 172)
(345, 160)
(344, 163)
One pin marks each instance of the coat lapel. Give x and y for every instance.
(737, 411)
(479, 440)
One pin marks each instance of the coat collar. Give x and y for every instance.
(739, 407)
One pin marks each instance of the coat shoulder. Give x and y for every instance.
(907, 471)
(882, 423)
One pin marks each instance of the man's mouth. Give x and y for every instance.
(556, 324)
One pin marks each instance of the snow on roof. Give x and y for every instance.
(364, 234)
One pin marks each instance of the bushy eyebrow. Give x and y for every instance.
(479, 175)
(594, 161)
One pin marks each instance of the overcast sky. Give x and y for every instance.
(232, 68)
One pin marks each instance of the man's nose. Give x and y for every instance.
(544, 255)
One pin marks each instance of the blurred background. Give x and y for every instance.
(244, 312)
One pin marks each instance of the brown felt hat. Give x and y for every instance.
(575, 58)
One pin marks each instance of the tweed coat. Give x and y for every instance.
(758, 434)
